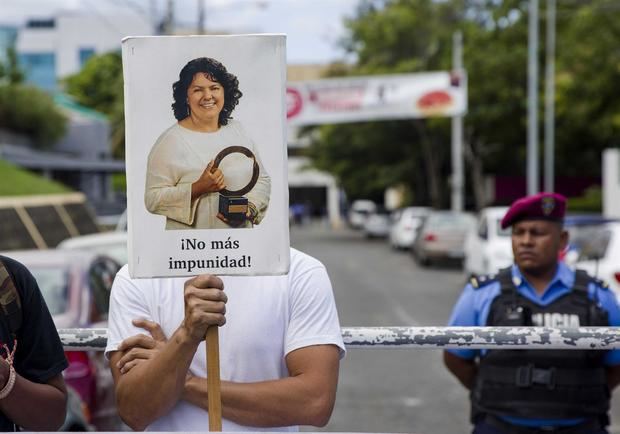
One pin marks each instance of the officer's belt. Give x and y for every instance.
(508, 428)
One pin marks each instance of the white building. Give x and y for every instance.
(316, 189)
(50, 49)
(308, 186)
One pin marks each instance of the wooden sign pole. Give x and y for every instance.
(213, 379)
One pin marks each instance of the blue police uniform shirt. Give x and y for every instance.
(472, 309)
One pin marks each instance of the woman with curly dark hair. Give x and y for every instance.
(183, 182)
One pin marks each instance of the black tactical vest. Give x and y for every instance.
(550, 384)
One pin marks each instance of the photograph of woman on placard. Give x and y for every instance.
(204, 172)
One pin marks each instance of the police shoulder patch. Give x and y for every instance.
(482, 280)
(600, 283)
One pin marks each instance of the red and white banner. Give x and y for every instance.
(377, 97)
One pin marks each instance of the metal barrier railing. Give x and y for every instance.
(582, 338)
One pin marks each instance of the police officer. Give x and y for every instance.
(537, 391)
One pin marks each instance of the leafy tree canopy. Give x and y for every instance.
(9, 71)
(99, 85)
(396, 36)
(26, 109)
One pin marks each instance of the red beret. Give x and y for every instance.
(546, 206)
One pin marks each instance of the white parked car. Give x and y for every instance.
(488, 247)
(599, 254)
(121, 225)
(377, 224)
(405, 226)
(112, 244)
(359, 211)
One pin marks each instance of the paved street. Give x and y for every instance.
(391, 390)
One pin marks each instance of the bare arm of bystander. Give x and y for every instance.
(49, 399)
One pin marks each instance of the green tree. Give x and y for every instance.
(495, 57)
(366, 158)
(392, 36)
(588, 85)
(99, 85)
(26, 109)
(30, 111)
(10, 72)
(416, 36)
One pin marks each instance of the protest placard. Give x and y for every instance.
(206, 155)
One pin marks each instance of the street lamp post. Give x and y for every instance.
(200, 28)
(532, 100)
(458, 177)
(550, 98)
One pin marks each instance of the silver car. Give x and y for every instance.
(442, 237)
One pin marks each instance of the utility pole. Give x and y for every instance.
(532, 100)
(153, 16)
(200, 28)
(457, 130)
(168, 27)
(550, 98)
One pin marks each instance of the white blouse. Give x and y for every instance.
(177, 160)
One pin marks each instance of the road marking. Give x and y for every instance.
(403, 316)
(411, 401)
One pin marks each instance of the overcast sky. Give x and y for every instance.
(313, 27)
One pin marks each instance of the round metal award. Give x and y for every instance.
(233, 205)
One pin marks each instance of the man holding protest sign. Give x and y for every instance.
(274, 331)
(279, 349)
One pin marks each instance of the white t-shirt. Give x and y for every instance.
(178, 159)
(266, 318)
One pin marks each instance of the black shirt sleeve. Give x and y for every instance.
(39, 355)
